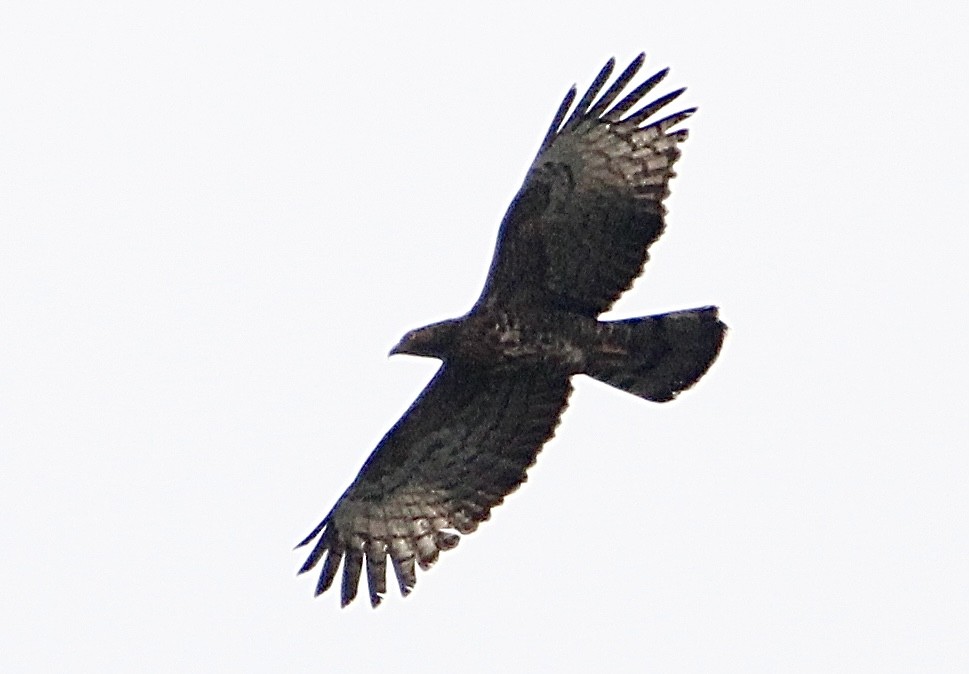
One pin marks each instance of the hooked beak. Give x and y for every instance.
(399, 348)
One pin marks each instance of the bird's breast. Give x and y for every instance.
(515, 340)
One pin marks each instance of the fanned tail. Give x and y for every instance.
(656, 357)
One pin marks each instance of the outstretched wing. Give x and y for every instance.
(576, 235)
(463, 446)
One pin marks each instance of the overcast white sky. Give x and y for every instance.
(215, 221)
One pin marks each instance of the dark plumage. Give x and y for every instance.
(574, 238)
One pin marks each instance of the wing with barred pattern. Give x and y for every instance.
(460, 449)
(577, 233)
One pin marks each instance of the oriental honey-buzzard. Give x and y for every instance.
(574, 238)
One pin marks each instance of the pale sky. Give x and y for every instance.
(216, 220)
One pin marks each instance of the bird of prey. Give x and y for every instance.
(573, 240)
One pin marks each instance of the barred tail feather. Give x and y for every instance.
(656, 357)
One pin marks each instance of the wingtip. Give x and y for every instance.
(347, 596)
(316, 531)
(650, 109)
(585, 103)
(682, 114)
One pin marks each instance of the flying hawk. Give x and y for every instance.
(573, 240)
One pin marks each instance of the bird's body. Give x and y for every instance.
(574, 238)
(506, 339)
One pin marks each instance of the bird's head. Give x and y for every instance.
(433, 340)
